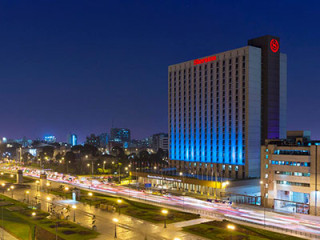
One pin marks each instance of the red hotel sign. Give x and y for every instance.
(274, 45)
(204, 60)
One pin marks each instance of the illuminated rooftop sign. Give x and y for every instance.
(204, 60)
(274, 45)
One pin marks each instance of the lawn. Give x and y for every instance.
(18, 220)
(218, 230)
(135, 209)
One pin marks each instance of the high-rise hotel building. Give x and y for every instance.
(223, 106)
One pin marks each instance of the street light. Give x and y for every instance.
(264, 203)
(119, 201)
(115, 220)
(12, 187)
(48, 185)
(104, 164)
(48, 199)
(33, 214)
(165, 213)
(231, 228)
(90, 194)
(66, 189)
(27, 195)
(74, 212)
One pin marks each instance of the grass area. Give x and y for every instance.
(12, 178)
(135, 209)
(18, 220)
(217, 230)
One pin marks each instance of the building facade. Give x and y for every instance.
(221, 107)
(120, 135)
(160, 141)
(72, 139)
(290, 174)
(50, 139)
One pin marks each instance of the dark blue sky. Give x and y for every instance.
(73, 66)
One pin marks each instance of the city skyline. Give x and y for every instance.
(69, 68)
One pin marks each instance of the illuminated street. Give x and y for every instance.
(300, 223)
(128, 227)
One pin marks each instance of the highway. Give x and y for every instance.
(305, 224)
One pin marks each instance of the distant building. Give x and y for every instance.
(93, 140)
(72, 139)
(120, 135)
(290, 174)
(103, 138)
(50, 139)
(160, 140)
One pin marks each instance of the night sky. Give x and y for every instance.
(77, 66)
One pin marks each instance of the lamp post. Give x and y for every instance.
(165, 213)
(104, 165)
(66, 189)
(37, 183)
(48, 202)
(90, 194)
(12, 187)
(183, 188)
(27, 196)
(48, 185)
(74, 212)
(115, 220)
(264, 203)
(119, 201)
(231, 228)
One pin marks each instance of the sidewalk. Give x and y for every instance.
(6, 235)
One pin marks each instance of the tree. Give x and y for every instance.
(70, 162)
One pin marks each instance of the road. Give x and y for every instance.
(128, 227)
(305, 224)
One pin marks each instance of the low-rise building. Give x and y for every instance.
(290, 176)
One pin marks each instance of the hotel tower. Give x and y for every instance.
(223, 106)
